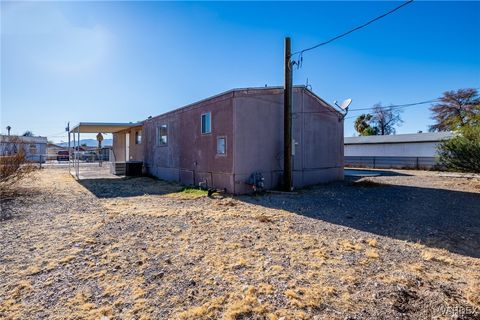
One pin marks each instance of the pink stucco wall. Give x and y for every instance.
(316, 129)
(252, 122)
(190, 156)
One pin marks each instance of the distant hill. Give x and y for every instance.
(89, 143)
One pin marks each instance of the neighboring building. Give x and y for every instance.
(35, 148)
(53, 149)
(417, 150)
(221, 141)
(92, 153)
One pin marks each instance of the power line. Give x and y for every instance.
(398, 105)
(348, 32)
(395, 106)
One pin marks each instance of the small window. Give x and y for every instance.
(162, 133)
(206, 123)
(33, 149)
(221, 145)
(138, 137)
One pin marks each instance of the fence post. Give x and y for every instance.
(374, 162)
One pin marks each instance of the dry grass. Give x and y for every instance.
(472, 292)
(436, 255)
(372, 253)
(170, 257)
(372, 242)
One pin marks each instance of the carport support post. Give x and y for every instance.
(69, 151)
(287, 120)
(72, 156)
(78, 142)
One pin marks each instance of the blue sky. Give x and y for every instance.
(124, 61)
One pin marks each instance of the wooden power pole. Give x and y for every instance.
(287, 120)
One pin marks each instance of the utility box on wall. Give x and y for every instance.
(133, 168)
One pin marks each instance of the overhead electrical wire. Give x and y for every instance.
(397, 106)
(300, 52)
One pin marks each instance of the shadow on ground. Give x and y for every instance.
(434, 217)
(128, 187)
(360, 172)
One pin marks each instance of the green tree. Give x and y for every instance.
(462, 151)
(455, 110)
(362, 125)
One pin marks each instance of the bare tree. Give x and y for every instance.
(456, 109)
(385, 119)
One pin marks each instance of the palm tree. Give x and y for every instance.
(362, 125)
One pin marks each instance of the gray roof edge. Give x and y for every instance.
(35, 139)
(400, 138)
(232, 91)
(328, 105)
(224, 93)
(110, 124)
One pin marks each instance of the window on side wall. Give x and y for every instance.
(162, 135)
(206, 123)
(221, 145)
(138, 137)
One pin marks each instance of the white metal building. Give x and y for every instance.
(415, 150)
(35, 148)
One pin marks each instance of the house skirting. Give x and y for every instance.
(236, 183)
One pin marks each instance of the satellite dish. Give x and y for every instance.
(345, 104)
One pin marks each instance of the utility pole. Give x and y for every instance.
(287, 120)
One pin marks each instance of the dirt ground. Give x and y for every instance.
(405, 245)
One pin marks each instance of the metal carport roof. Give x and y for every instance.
(105, 127)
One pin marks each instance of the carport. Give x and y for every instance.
(92, 170)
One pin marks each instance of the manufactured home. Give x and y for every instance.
(34, 148)
(222, 140)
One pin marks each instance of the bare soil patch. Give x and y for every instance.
(395, 247)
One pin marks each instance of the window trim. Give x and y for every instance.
(209, 113)
(159, 144)
(225, 146)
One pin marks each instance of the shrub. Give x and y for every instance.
(14, 167)
(462, 152)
